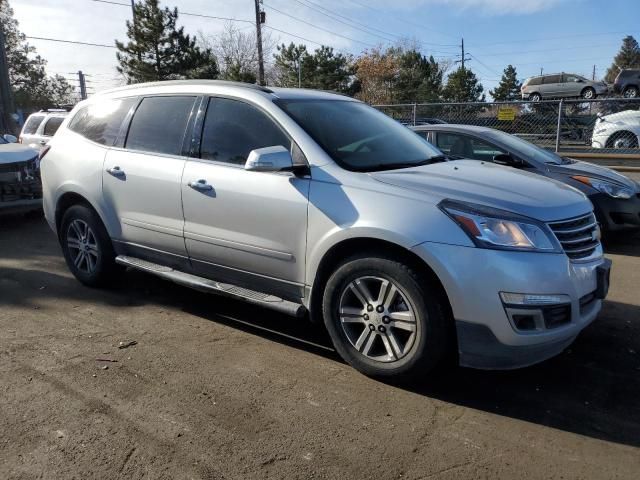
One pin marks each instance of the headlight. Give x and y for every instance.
(499, 229)
(612, 189)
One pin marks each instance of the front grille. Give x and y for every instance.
(579, 236)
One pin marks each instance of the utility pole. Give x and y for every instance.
(300, 71)
(593, 75)
(541, 70)
(260, 19)
(133, 10)
(462, 45)
(6, 103)
(83, 85)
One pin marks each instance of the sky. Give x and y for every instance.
(553, 35)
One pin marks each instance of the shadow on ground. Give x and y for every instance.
(591, 389)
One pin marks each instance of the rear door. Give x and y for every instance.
(142, 175)
(246, 228)
(551, 86)
(49, 128)
(572, 85)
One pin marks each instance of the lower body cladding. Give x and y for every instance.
(514, 309)
(617, 214)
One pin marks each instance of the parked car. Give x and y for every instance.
(561, 85)
(317, 204)
(617, 130)
(40, 127)
(627, 83)
(616, 198)
(20, 188)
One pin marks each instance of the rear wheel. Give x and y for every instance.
(385, 319)
(588, 93)
(86, 246)
(631, 92)
(535, 97)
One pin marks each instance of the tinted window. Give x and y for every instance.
(552, 79)
(233, 128)
(359, 137)
(52, 125)
(101, 121)
(535, 81)
(159, 124)
(32, 124)
(525, 150)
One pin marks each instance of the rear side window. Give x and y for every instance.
(52, 125)
(233, 128)
(100, 122)
(32, 124)
(159, 125)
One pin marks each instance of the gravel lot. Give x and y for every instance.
(216, 389)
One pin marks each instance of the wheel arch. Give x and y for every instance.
(348, 247)
(621, 133)
(69, 199)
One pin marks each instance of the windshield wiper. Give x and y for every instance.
(394, 166)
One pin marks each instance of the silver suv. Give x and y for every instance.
(318, 205)
(561, 85)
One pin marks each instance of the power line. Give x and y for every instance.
(532, 40)
(75, 42)
(333, 15)
(317, 27)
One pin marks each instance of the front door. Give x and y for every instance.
(246, 228)
(142, 180)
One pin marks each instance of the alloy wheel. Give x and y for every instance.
(377, 319)
(83, 246)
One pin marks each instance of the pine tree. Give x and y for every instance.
(31, 87)
(627, 57)
(289, 59)
(463, 86)
(419, 78)
(509, 86)
(159, 50)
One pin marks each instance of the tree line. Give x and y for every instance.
(157, 49)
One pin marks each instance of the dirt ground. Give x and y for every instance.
(219, 390)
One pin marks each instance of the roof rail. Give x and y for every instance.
(191, 82)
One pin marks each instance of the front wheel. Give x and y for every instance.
(631, 92)
(588, 93)
(86, 246)
(535, 97)
(385, 319)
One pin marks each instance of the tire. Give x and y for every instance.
(404, 340)
(622, 140)
(535, 97)
(588, 93)
(631, 92)
(87, 247)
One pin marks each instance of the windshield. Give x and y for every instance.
(526, 150)
(2, 140)
(359, 137)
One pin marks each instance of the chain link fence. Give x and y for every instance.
(600, 126)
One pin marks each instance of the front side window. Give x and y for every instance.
(552, 79)
(100, 122)
(32, 124)
(359, 137)
(159, 124)
(535, 81)
(233, 128)
(52, 125)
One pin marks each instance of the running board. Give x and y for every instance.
(211, 286)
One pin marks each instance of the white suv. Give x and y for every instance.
(319, 205)
(40, 127)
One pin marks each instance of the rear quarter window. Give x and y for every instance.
(32, 124)
(100, 122)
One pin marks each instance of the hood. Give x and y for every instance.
(14, 152)
(594, 171)
(624, 117)
(488, 184)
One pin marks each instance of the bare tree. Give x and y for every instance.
(237, 52)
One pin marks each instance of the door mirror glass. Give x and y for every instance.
(506, 160)
(10, 138)
(269, 159)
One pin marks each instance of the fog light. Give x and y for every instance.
(524, 322)
(529, 299)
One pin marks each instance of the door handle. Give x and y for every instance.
(200, 185)
(115, 171)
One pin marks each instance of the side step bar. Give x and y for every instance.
(211, 286)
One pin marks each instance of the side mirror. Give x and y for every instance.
(10, 138)
(269, 159)
(506, 160)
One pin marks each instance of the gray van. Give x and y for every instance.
(561, 85)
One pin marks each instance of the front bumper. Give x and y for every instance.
(616, 214)
(473, 278)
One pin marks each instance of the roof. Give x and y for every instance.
(193, 85)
